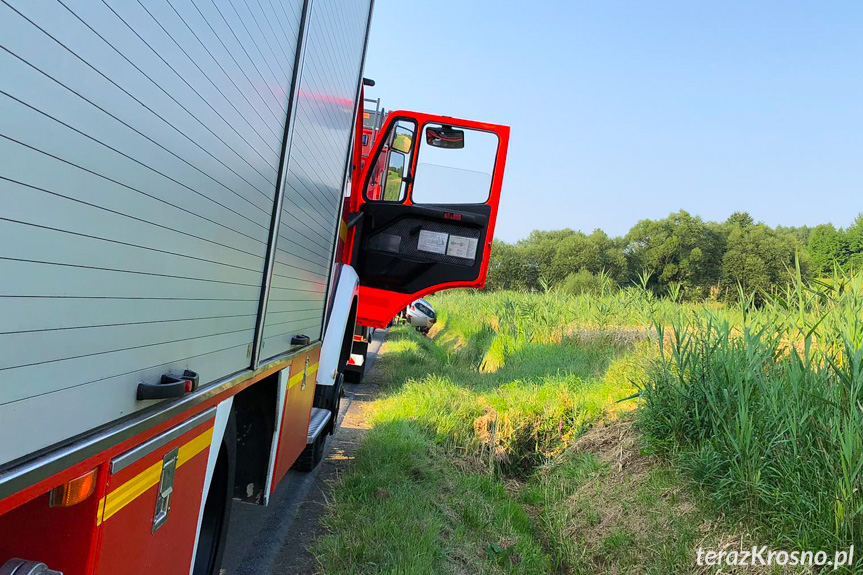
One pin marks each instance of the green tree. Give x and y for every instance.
(758, 258)
(801, 233)
(584, 282)
(854, 236)
(538, 251)
(595, 253)
(507, 268)
(679, 249)
(827, 247)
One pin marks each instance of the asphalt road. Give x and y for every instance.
(273, 540)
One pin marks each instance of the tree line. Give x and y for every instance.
(681, 255)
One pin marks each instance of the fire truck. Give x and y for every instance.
(187, 241)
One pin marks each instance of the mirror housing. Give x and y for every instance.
(445, 137)
(402, 140)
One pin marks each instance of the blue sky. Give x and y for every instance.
(624, 110)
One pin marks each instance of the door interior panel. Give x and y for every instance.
(392, 255)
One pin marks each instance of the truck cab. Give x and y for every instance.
(423, 207)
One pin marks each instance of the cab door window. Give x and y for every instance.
(389, 177)
(455, 165)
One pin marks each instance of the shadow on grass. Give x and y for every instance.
(435, 486)
(513, 419)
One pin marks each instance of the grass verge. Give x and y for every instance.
(500, 444)
(472, 472)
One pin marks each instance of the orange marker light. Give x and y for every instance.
(74, 491)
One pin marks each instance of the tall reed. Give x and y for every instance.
(765, 405)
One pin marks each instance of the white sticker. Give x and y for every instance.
(434, 242)
(462, 247)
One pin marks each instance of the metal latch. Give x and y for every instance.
(166, 488)
(305, 373)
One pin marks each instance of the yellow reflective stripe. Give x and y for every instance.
(138, 485)
(295, 379)
(195, 447)
(298, 377)
(343, 231)
(130, 490)
(100, 511)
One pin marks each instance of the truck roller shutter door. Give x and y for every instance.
(314, 183)
(140, 145)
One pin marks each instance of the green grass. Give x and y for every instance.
(533, 407)
(454, 476)
(501, 444)
(766, 414)
(406, 508)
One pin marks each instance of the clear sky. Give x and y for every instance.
(624, 110)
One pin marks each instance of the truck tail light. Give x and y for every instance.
(74, 491)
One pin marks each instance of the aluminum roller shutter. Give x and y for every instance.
(332, 64)
(140, 147)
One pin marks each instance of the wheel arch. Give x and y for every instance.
(338, 337)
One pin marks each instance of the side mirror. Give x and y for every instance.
(402, 140)
(445, 137)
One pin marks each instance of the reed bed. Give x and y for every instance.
(766, 409)
(505, 442)
(760, 402)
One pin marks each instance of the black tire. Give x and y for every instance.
(217, 507)
(330, 397)
(312, 454)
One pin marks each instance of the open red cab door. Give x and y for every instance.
(424, 214)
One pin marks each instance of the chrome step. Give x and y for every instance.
(317, 422)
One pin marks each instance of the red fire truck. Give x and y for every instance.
(188, 241)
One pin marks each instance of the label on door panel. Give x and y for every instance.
(462, 247)
(434, 242)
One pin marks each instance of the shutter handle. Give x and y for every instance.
(169, 386)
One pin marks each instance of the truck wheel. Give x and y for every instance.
(217, 507)
(330, 397)
(312, 454)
